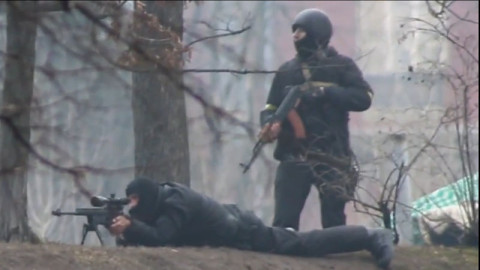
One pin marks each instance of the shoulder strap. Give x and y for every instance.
(293, 117)
(307, 75)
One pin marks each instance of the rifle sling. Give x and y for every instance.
(293, 117)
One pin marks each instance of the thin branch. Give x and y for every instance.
(164, 70)
(226, 70)
(438, 31)
(368, 192)
(153, 41)
(463, 19)
(382, 195)
(365, 54)
(395, 200)
(232, 33)
(74, 172)
(366, 205)
(65, 6)
(433, 12)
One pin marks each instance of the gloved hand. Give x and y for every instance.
(331, 89)
(270, 132)
(315, 95)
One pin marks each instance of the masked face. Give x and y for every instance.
(304, 44)
(143, 194)
(299, 34)
(134, 199)
(318, 30)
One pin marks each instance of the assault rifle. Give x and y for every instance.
(107, 209)
(287, 109)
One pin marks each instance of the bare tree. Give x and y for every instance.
(15, 122)
(160, 124)
(157, 102)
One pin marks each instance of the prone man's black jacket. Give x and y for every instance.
(183, 217)
(326, 117)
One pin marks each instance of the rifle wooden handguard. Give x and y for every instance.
(294, 118)
(297, 124)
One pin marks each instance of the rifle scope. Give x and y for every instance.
(99, 201)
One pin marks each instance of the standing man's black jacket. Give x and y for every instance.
(325, 117)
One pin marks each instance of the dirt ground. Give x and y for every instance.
(59, 256)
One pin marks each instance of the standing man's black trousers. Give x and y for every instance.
(292, 186)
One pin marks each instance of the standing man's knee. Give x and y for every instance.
(332, 189)
(333, 212)
(291, 191)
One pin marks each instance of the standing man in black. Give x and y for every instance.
(313, 143)
(170, 214)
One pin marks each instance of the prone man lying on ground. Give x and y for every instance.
(170, 214)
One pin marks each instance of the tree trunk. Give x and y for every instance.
(159, 113)
(15, 123)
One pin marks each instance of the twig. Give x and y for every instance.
(169, 74)
(232, 33)
(76, 174)
(395, 199)
(226, 70)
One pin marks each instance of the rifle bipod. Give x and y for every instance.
(89, 228)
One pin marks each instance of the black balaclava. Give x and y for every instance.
(148, 193)
(318, 28)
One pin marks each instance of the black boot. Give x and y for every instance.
(381, 246)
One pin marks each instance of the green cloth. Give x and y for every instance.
(452, 194)
(449, 195)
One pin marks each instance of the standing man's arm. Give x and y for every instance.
(270, 131)
(354, 93)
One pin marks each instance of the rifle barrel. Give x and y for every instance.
(60, 213)
(256, 151)
(81, 212)
(288, 103)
